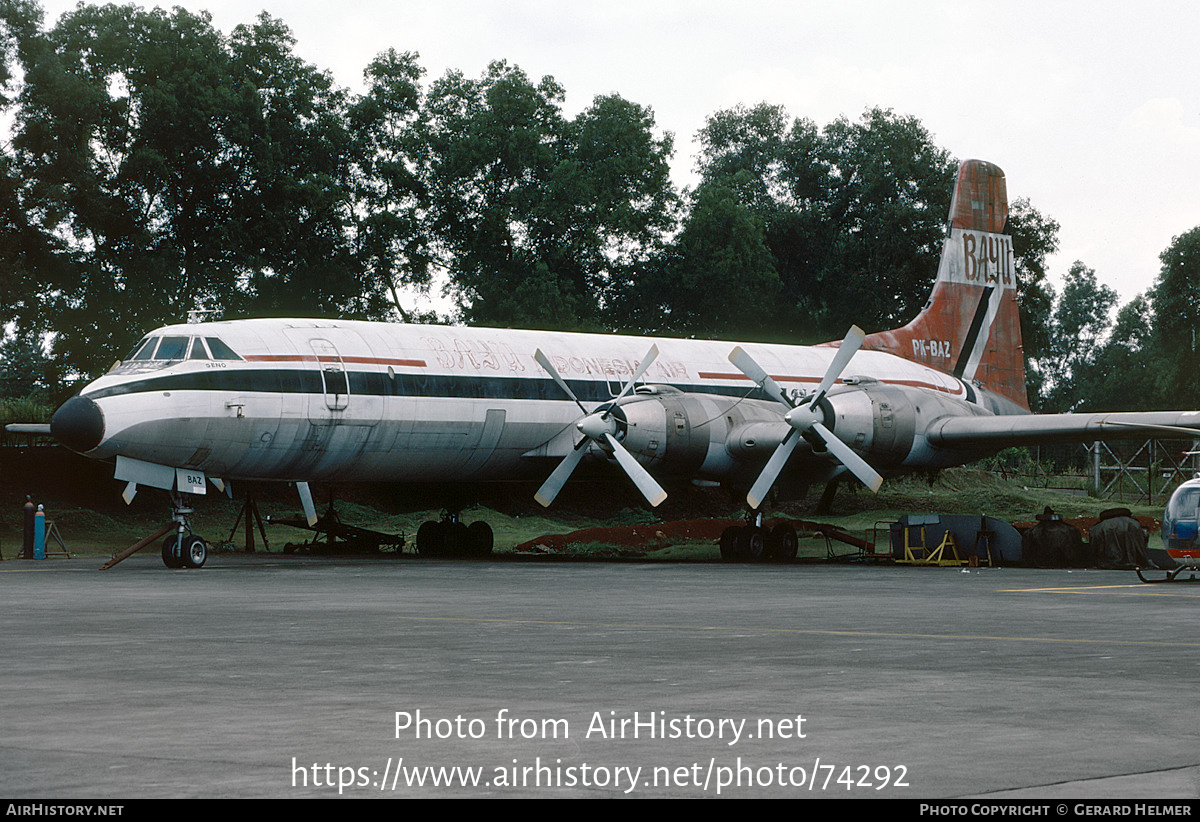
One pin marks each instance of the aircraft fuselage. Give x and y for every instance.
(363, 401)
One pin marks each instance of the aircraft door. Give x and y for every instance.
(346, 389)
(335, 384)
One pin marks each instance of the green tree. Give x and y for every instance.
(1034, 238)
(854, 214)
(291, 149)
(1076, 330)
(492, 146)
(174, 169)
(24, 248)
(1176, 310)
(25, 370)
(537, 217)
(717, 276)
(391, 198)
(888, 197)
(1122, 376)
(118, 141)
(613, 195)
(854, 217)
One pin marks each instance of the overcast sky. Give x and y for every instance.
(1091, 108)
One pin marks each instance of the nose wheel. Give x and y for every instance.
(186, 551)
(183, 549)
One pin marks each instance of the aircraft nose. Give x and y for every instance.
(78, 424)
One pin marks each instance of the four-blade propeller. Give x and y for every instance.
(807, 419)
(599, 426)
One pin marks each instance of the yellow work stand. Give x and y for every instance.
(938, 556)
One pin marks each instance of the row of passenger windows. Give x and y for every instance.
(181, 348)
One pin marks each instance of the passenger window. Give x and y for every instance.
(220, 351)
(199, 352)
(172, 348)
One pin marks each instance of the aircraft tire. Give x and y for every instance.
(782, 543)
(729, 539)
(430, 539)
(480, 539)
(195, 552)
(171, 556)
(457, 539)
(752, 544)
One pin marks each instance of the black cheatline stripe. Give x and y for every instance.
(369, 383)
(973, 332)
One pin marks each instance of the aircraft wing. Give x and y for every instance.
(1035, 429)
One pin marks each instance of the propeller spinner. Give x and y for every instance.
(807, 419)
(599, 426)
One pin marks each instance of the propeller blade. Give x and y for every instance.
(555, 482)
(848, 348)
(645, 483)
(746, 364)
(762, 485)
(650, 357)
(595, 426)
(544, 362)
(857, 466)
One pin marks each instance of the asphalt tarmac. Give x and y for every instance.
(272, 676)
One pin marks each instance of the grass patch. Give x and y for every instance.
(99, 523)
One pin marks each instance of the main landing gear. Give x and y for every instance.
(450, 537)
(183, 549)
(755, 542)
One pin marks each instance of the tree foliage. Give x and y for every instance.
(158, 166)
(1075, 330)
(539, 215)
(853, 214)
(1176, 313)
(1123, 374)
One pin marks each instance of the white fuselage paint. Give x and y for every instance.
(442, 403)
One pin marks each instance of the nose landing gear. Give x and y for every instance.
(183, 549)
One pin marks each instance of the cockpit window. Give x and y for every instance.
(164, 350)
(1183, 504)
(172, 348)
(143, 350)
(198, 352)
(220, 351)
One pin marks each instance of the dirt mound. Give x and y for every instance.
(657, 534)
(631, 536)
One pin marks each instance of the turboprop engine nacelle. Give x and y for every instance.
(684, 433)
(706, 435)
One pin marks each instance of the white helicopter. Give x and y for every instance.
(1180, 549)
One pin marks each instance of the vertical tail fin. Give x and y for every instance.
(970, 326)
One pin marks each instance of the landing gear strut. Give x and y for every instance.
(451, 537)
(183, 549)
(754, 542)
